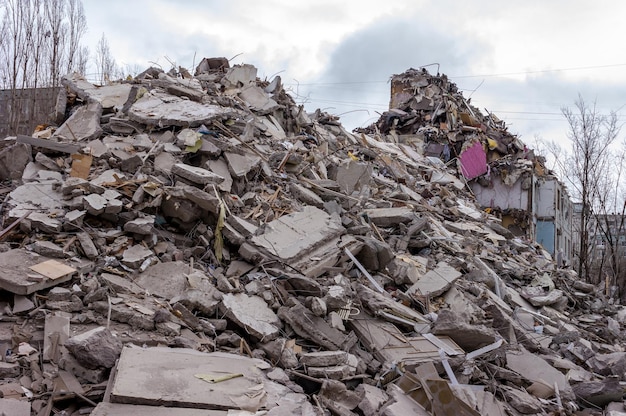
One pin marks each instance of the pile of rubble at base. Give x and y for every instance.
(200, 245)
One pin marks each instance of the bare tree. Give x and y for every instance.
(77, 25)
(105, 64)
(590, 170)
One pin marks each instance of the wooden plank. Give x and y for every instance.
(53, 269)
(49, 144)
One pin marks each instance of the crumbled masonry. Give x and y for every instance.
(201, 245)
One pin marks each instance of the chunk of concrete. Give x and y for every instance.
(239, 165)
(86, 243)
(469, 337)
(536, 369)
(196, 175)
(83, 125)
(373, 399)
(306, 240)
(166, 280)
(14, 407)
(16, 275)
(323, 358)
(257, 99)
(437, 281)
(95, 348)
(316, 329)
(252, 314)
(386, 217)
(220, 167)
(94, 204)
(119, 409)
(141, 225)
(162, 110)
(135, 255)
(353, 175)
(13, 160)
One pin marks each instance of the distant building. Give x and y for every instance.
(532, 203)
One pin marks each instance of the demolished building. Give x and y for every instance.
(201, 245)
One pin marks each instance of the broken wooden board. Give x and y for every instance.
(116, 409)
(52, 269)
(15, 268)
(167, 377)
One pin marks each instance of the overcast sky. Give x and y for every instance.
(522, 60)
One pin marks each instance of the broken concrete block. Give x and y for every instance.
(82, 125)
(469, 337)
(69, 363)
(166, 280)
(15, 407)
(257, 99)
(305, 195)
(373, 399)
(94, 204)
(9, 370)
(324, 358)
(196, 174)
(437, 281)
(95, 348)
(316, 329)
(375, 255)
(13, 160)
(120, 284)
(239, 76)
(141, 225)
(190, 378)
(240, 165)
(353, 175)
(134, 256)
(252, 314)
(387, 217)
(536, 369)
(537, 296)
(49, 249)
(162, 110)
(220, 167)
(86, 243)
(296, 239)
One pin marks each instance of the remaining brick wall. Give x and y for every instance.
(34, 105)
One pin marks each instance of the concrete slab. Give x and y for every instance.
(16, 274)
(174, 377)
(83, 125)
(385, 217)
(536, 369)
(195, 174)
(162, 110)
(252, 314)
(240, 165)
(220, 167)
(14, 407)
(166, 280)
(116, 409)
(296, 238)
(437, 281)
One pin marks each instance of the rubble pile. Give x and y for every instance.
(198, 245)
